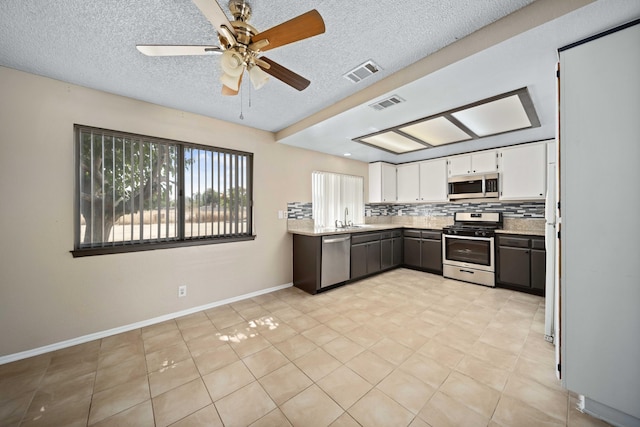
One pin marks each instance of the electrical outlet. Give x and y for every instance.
(182, 291)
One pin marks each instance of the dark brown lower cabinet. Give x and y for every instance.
(431, 253)
(396, 244)
(390, 249)
(365, 254)
(538, 269)
(307, 262)
(412, 251)
(521, 263)
(423, 250)
(386, 254)
(515, 266)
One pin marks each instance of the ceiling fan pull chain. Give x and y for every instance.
(241, 116)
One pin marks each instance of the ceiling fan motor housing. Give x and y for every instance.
(240, 10)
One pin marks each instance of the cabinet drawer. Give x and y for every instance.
(432, 235)
(514, 242)
(412, 233)
(537, 244)
(390, 234)
(364, 238)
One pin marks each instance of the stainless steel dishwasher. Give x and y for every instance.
(336, 259)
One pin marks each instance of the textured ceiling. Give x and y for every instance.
(92, 44)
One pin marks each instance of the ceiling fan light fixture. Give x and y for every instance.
(232, 63)
(258, 77)
(232, 82)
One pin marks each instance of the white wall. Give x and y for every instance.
(47, 296)
(600, 201)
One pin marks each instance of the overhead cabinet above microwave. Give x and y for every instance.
(473, 163)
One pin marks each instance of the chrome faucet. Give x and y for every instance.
(343, 224)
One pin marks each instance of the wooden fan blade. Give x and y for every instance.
(285, 75)
(227, 91)
(159, 50)
(214, 13)
(306, 25)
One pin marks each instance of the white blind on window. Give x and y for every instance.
(332, 193)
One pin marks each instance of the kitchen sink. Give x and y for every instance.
(342, 229)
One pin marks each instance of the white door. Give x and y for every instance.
(460, 165)
(409, 183)
(523, 172)
(433, 181)
(599, 205)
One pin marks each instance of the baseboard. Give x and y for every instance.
(607, 413)
(126, 328)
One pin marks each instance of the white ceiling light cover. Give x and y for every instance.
(494, 117)
(436, 131)
(508, 112)
(392, 141)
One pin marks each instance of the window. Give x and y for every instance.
(337, 197)
(136, 193)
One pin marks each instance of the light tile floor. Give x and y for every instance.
(403, 348)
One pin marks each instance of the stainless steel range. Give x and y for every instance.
(468, 247)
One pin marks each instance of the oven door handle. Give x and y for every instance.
(452, 236)
(466, 271)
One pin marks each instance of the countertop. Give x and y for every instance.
(349, 230)
(510, 226)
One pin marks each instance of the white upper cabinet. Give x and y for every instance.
(523, 172)
(423, 181)
(522, 168)
(409, 182)
(382, 182)
(473, 163)
(460, 165)
(484, 162)
(433, 181)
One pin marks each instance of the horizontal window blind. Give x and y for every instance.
(134, 190)
(337, 197)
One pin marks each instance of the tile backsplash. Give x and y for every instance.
(524, 210)
(299, 210)
(509, 210)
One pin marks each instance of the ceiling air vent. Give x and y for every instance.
(362, 71)
(386, 103)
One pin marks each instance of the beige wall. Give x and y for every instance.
(46, 296)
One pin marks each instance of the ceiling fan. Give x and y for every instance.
(241, 45)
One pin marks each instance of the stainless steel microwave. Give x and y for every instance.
(473, 186)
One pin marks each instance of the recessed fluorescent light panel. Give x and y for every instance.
(502, 115)
(393, 142)
(436, 131)
(508, 112)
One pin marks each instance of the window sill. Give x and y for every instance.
(77, 253)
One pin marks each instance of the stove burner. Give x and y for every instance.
(475, 224)
(470, 231)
